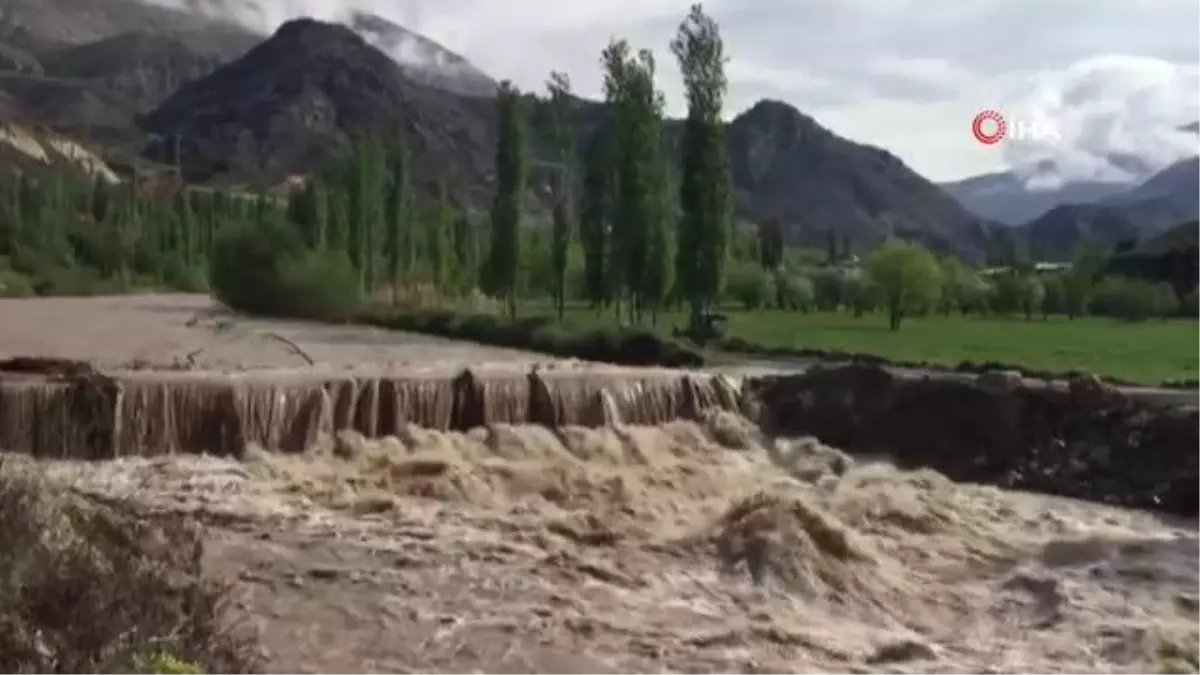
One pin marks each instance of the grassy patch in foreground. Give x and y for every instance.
(1150, 351)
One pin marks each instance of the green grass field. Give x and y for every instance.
(1150, 351)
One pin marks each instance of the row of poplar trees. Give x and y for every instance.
(72, 235)
(649, 216)
(649, 233)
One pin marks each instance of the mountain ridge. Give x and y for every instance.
(312, 85)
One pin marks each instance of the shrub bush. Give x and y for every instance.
(828, 288)
(244, 263)
(795, 292)
(318, 285)
(1191, 304)
(86, 588)
(1132, 299)
(13, 284)
(623, 346)
(750, 285)
(265, 269)
(178, 275)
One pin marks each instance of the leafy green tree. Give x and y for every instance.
(511, 176)
(1079, 283)
(1053, 298)
(626, 242)
(770, 242)
(858, 294)
(956, 279)
(827, 288)
(1133, 299)
(595, 221)
(908, 278)
(1033, 294)
(366, 182)
(750, 285)
(639, 170)
(309, 212)
(705, 190)
(1008, 292)
(794, 291)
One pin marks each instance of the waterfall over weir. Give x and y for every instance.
(98, 415)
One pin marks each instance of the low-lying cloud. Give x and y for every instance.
(1118, 118)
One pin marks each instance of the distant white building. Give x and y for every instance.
(1038, 268)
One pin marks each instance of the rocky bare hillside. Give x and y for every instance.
(785, 162)
(296, 100)
(141, 67)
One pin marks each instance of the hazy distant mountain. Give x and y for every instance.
(1006, 198)
(1055, 234)
(1160, 203)
(1003, 197)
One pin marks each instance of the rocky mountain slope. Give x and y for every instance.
(296, 100)
(142, 68)
(36, 151)
(92, 70)
(785, 162)
(38, 26)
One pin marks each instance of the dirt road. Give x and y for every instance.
(160, 330)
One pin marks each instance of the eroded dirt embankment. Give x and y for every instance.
(1082, 439)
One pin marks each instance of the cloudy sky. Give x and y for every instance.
(907, 75)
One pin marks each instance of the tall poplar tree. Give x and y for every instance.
(705, 191)
(397, 218)
(595, 218)
(639, 244)
(563, 140)
(437, 238)
(466, 251)
(511, 170)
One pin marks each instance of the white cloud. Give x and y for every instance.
(905, 74)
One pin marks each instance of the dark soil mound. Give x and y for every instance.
(1088, 441)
